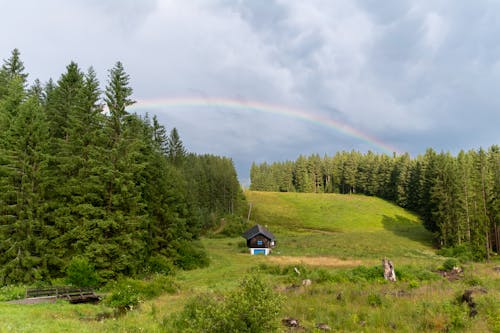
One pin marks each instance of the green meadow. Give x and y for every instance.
(336, 241)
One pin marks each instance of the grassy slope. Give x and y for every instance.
(308, 227)
(346, 226)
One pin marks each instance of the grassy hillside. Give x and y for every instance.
(345, 226)
(337, 241)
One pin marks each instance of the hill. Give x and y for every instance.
(344, 226)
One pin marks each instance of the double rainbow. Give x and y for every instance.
(162, 104)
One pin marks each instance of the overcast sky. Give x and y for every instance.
(412, 74)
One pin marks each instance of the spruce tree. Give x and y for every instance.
(175, 148)
(23, 184)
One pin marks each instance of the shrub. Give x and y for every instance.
(449, 264)
(81, 273)
(253, 307)
(160, 264)
(191, 255)
(125, 295)
(234, 226)
(462, 252)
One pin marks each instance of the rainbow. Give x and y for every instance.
(253, 106)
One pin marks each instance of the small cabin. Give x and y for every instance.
(259, 240)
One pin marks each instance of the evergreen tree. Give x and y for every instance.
(23, 172)
(12, 69)
(175, 149)
(160, 138)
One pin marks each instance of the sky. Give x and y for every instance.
(268, 80)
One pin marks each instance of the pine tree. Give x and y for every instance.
(160, 138)
(12, 69)
(22, 191)
(175, 148)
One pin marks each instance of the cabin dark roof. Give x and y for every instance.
(256, 230)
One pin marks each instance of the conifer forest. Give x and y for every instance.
(82, 177)
(457, 197)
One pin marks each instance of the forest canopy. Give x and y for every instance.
(82, 177)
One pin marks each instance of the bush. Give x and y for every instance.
(81, 273)
(449, 264)
(253, 307)
(160, 264)
(234, 226)
(191, 255)
(125, 294)
(461, 252)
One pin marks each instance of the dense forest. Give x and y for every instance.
(457, 197)
(81, 177)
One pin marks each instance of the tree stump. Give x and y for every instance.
(389, 273)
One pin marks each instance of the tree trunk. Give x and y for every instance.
(389, 273)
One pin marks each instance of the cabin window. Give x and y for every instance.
(259, 242)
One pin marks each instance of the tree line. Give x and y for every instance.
(457, 197)
(81, 177)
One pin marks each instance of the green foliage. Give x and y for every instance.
(450, 263)
(412, 273)
(234, 226)
(253, 307)
(160, 264)
(191, 255)
(81, 273)
(462, 252)
(12, 292)
(374, 300)
(126, 293)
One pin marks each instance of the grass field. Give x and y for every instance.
(338, 242)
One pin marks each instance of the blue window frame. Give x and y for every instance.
(259, 242)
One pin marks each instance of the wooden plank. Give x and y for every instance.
(59, 292)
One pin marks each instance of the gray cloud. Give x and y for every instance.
(415, 74)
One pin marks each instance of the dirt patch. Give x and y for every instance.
(320, 231)
(314, 261)
(453, 275)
